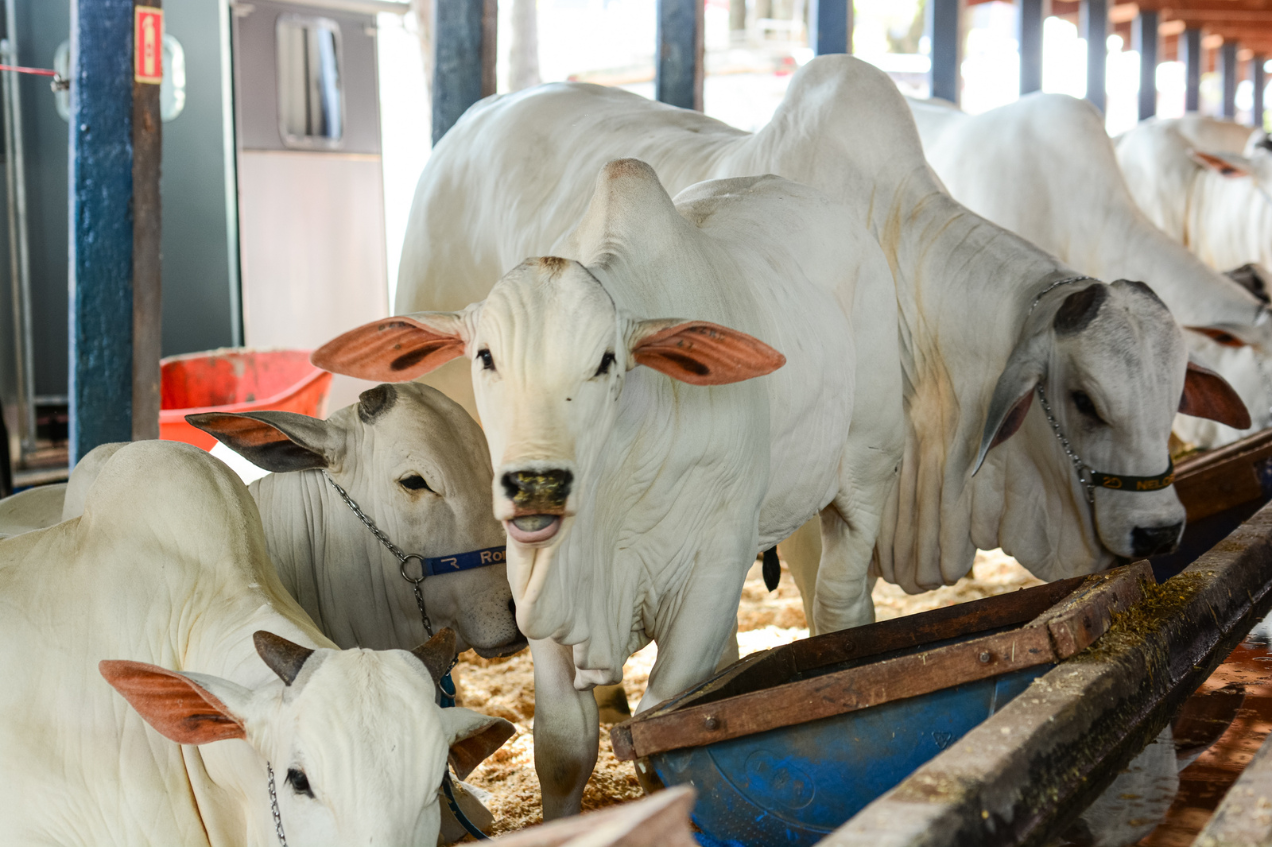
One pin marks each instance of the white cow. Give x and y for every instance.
(976, 307)
(1205, 182)
(1044, 168)
(165, 584)
(634, 503)
(412, 460)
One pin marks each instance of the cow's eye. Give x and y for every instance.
(299, 782)
(1084, 405)
(414, 482)
(487, 360)
(606, 361)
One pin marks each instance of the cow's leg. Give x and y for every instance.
(566, 730)
(849, 529)
(730, 653)
(697, 633)
(802, 554)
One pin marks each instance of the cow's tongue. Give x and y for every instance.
(529, 529)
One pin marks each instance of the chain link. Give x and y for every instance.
(402, 557)
(1084, 470)
(273, 806)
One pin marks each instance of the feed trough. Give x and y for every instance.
(785, 745)
(237, 381)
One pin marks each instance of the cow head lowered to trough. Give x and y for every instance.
(355, 742)
(550, 350)
(1093, 357)
(417, 464)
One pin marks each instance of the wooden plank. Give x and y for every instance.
(1068, 627)
(1221, 479)
(661, 820)
(1051, 751)
(147, 279)
(1244, 816)
(101, 237)
(678, 56)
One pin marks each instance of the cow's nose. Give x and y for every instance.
(1152, 540)
(538, 490)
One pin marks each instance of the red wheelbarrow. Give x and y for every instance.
(237, 380)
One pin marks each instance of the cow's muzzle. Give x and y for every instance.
(538, 501)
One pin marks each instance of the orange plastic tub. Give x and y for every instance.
(237, 380)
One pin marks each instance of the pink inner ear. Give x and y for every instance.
(1224, 167)
(392, 350)
(174, 705)
(1014, 419)
(241, 430)
(702, 353)
(1218, 336)
(1208, 395)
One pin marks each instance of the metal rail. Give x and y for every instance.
(19, 256)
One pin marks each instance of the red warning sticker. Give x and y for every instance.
(148, 39)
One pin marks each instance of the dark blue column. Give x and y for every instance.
(1029, 37)
(678, 57)
(830, 26)
(101, 238)
(463, 59)
(1259, 81)
(1228, 73)
(1190, 54)
(943, 35)
(1093, 24)
(1144, 41)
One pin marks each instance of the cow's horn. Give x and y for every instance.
(437, 654)
(283, 657)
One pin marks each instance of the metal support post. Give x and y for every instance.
(943, 34)
(678, 70)
(115, 145)
(830, 23)
(1144, 41)
(1190, 53)
(1094, 26)
(1030, 40)
(1259, 81)
(463, 58)
(1228, 72)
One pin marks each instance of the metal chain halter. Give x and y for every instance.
(273, 807)
(402, 557)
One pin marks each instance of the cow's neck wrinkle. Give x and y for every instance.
(1217, 198)
(343, 577)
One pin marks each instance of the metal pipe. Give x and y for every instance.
(19, 259)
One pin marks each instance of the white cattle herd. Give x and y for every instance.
(684, 343)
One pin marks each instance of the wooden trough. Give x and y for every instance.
(967, 725)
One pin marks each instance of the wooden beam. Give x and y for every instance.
(1144, 40)
(678, 71)
(943, 33)
(830, 23)
(463, 58)
(1029, 37)
(114, 238)
(1041, 759)
(1229, 72)
(1190, 54)
(1242, 819)
(1094, 27)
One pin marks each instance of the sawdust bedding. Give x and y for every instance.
(505, 687)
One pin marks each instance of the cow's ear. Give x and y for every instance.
(397, 349)
(181, 707)
(1220, 335)
(1208, 395)
(701, 353)
(276, 441)
(472, 737)
(1254, 278)
(1013, 395)
(1225, 164)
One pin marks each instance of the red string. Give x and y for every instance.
(22, 70)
